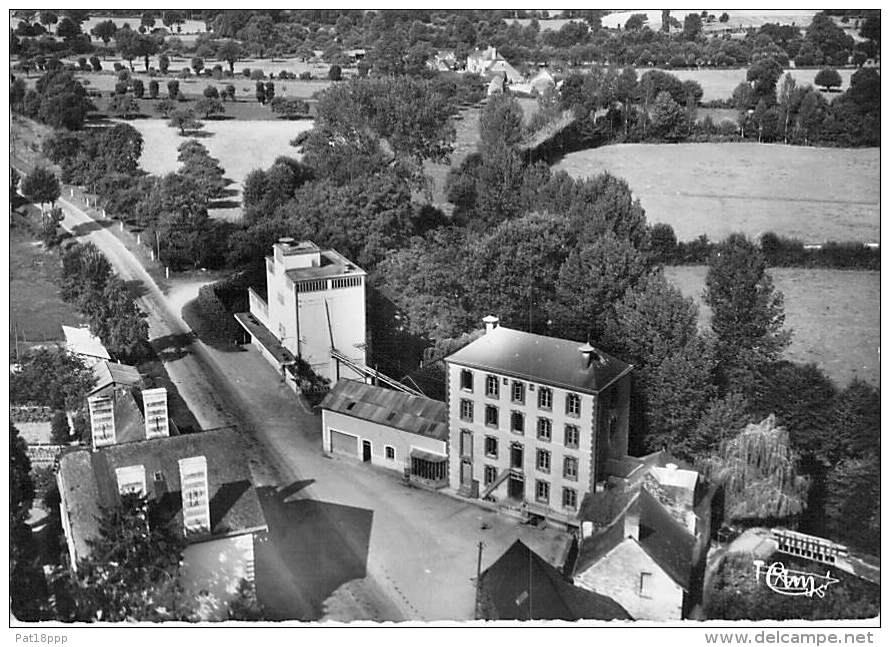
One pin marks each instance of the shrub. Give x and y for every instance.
(121, 87)
(257, 74)
(153, 89)
(335, 73)
(117, 66)
(246, 72)
(138, 88)
(211, 92)
(60, 432)
(305, 76)
(184, 73)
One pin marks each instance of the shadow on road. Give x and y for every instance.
(136, 288)
(172, 347)
(310, 550)
(85, 228)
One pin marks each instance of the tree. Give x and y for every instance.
(120, 323)
(153, 89)
(123, 105)
(871, 28)
(211, 92)
(692, 26)
(719, 422)
(138, 88)
(230, 52)
(173, 89)
(636, 21)
(60, 431)
(173, 19)
(260, 93)
(26, 587)
(185, 120)
(62, 101)
(131, 572)
(126, 41)
(163, 63)
(748, 314)
(48, 19)
(147, 19)
(667, 118)
(41, 186)
(68, 29)
(724, 17)
(95, 64)
(290, 108)
(500, 123)
(50, 377)
(207, 107)
(335, 73)
(197, 64)
(826, 36)
(764, 75)
(853, 504)
(270, 91)
(758, 472)
(828, 78)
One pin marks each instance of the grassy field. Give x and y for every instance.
(37, 312)
(815, 194)
(835, 317)
(240, 146)
(737, 18)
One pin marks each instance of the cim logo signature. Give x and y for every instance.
(785, 581)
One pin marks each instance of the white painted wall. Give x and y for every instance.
(380, 436)
(212, 570)
(347, 311)
(618, 574)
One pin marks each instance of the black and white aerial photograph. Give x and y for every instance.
(446, 318)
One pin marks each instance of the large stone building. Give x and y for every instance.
(535, 422)
(314, 312)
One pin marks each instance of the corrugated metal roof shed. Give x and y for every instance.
(411, 413)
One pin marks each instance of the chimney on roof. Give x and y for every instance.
(491, 322)
(157, 421)
(195, 494)
(589, 353)
(102, 420)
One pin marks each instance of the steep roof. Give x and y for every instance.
(558, 362)
(88, 482)
(81, 341)
(665, 540)
(107, 373)
(520, 585)
(411, 413)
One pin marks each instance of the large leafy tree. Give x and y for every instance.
(41, 186)
(748, 313)
(51, 377)
(131, 572)
(120, 323)
(853, 502)
(500, 122)
(26, 587)
(759, 474)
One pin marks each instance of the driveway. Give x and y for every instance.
(347, 541)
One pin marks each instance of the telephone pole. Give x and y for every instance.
(478, 577)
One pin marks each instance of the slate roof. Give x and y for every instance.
(411, 413)
(665, 540)
(88, 482)
(107, 373)
(520, 585)
(540, 359)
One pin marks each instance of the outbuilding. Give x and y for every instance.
(398, 431)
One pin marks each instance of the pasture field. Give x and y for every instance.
(240, 146)
(718, 83)
(813, 194)
(835, 317)
(36, 311)
(738, 18)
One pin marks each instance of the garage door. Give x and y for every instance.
(344, 443)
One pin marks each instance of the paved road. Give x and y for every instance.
(347, 541)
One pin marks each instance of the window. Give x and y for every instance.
(545, 398)
(466, 443)
(517, 454)
(489, 474)
(569, 498)
(572, 437)
(517, 422)
(492, 388)
(466, 410)
(542, 491)
(545, 429)
(491, 415)
(491, 446)
(466, 380)
(573, 404)
(390, 453)
(542, 460)
(570, 468)
(518, 392)
(645, 584)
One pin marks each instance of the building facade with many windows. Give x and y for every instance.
(534, 420)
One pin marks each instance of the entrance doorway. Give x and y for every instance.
(516, 488)
(366, 451)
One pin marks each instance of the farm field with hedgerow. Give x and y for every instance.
(813, 194)
(835, 317)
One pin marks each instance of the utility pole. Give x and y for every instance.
(478, 577)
